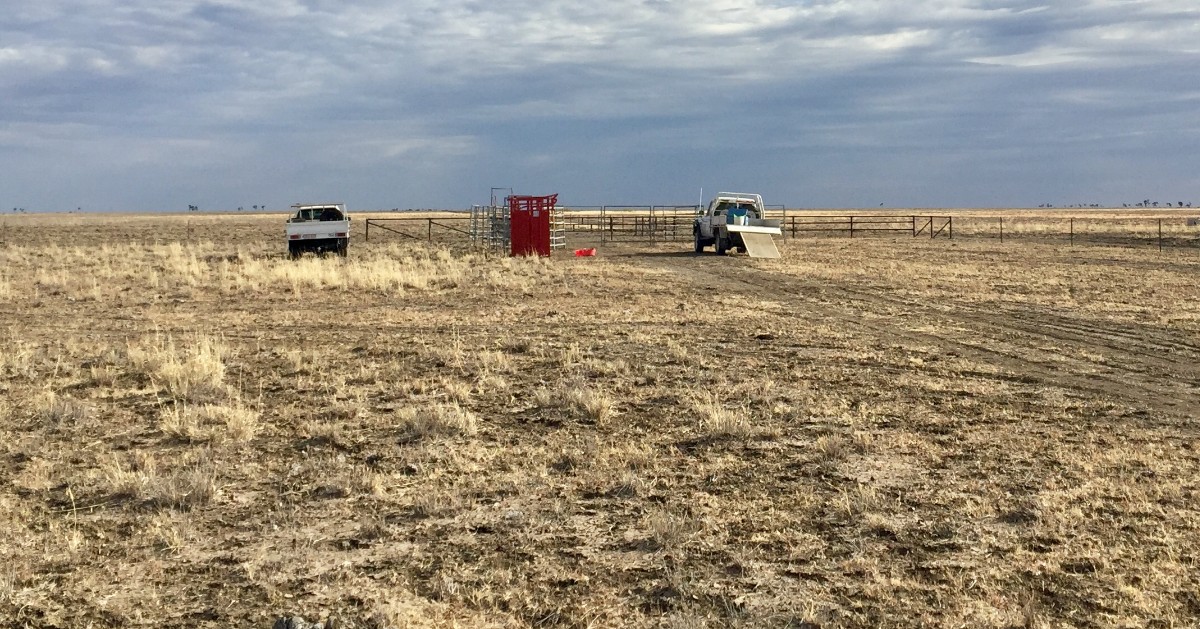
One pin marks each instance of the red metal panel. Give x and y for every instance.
(529, 224)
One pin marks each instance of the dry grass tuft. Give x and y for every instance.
(671, 531)
(17, 358)
(437, 420)
(629, 485)
(860, 499)
(181, 423)
(491, 361)
(830, 449)
(60, 410)
(185, 487)
(436, 502)
(570, 356)
(718, 422)
(194, 371)
(234, 423)
(457, 390)
(8, 587)
(321, 431)
(543, 397)
(170, 531)
(188, 487)
(134, 479)
(594, 405)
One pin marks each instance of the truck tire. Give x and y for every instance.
(293, 250)
(722, 246)
(343, 247)
(699, 244)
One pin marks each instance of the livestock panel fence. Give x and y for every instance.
(630, 223)
(673, 223)
(646, 223)
(932, 226)
(1114, 231)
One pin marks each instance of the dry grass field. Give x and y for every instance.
(888, 432)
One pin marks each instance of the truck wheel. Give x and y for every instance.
(722, 246)
(343, 246)
(699, 244)
(293, 250)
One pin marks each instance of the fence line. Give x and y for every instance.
(1102, 231)
(914, 225)
(655, 224)
(662, 223)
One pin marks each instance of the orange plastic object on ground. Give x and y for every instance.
(585, 253)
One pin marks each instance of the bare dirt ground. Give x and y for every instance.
(871, 433)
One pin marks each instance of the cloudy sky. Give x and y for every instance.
(159, 104)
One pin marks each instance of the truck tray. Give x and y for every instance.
(754, 229)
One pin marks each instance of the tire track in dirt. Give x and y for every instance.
(1053, 327)
(1123, 354)
(1005, 337)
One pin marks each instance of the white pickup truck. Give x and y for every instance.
(736, 219)
(319, 228)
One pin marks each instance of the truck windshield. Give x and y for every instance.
(319, 214)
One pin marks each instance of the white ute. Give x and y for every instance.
(319, 228)
(736, 219)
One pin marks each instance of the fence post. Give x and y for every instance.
(1072, 229)
(1160, 234)
(851, 227)
(367, 237)
(914, 226)
(1002, 229)
(430, 236)
(950, 226)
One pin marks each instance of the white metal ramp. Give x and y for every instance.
(760, 245)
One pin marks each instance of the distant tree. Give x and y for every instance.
(1156, 204)
(255, 207)
(1181, 204)
(239, 208)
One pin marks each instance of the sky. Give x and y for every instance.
(155, 105)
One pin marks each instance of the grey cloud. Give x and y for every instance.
(428, 103)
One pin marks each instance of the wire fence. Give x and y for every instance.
(674, 223)
(1157, 232)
